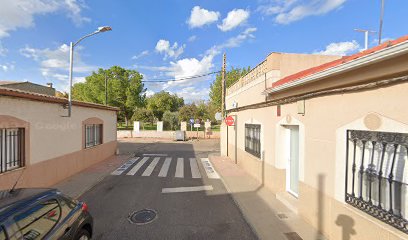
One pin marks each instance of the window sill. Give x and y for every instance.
(93, 146)
(14, 170)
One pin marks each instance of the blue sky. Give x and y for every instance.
(178, 38)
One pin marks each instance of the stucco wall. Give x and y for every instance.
(51, 134)
(322, 167)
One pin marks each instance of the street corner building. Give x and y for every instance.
(40, 145)
(329, 137)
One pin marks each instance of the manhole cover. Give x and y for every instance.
(144, 216)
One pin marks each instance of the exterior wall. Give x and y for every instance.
(32, 87)
(322, 140)
(163, 135)
(275, 67)
(290, 63)
(56, 146)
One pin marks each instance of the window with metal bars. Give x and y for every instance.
(93, 135)
(377, 175)
(11, 149)
(253, 139)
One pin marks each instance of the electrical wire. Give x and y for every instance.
(179, 79)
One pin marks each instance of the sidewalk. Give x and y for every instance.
(268, 217)
(78, 184)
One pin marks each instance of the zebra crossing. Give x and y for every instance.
(145, 167)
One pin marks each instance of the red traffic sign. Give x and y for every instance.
(230, 121)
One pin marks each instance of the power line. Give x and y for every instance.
(179, 79)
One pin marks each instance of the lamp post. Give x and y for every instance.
(71, 62)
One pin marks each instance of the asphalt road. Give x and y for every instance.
(210, 214)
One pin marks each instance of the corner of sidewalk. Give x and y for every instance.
(77, 184)
(268, 216)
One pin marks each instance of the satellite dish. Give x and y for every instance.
(218, 116)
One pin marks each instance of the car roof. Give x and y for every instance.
(18, 198)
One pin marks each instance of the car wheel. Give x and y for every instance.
(83, 235)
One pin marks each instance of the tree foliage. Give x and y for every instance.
(170, 120)
(164, 101)
(143, 115)
(125, 90)
(232, 77)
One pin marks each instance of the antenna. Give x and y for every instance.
(366, 32)
(381, 22)
(15, 184)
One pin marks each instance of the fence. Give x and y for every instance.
(376, 175)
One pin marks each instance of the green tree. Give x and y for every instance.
(232, 77)
(125, 90)
(187, 111)
(143, 115)
(164, 101)
(170, 120)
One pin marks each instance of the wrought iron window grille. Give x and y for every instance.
(376, 175)
(12, 155)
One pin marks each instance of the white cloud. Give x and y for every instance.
(20, 13)
(54, 64)
(340, 48)
(287, 11)
(188, 67)
(192, 38)
(163, 46)
(234, 18)
(233, 41)
(3, 50)
(192, 94)
(7, 67)
(200, 17)
(142, 54)
(149, 93)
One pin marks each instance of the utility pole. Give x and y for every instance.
(106, 90)
(381, 22)
(366, 32)
(223, 85)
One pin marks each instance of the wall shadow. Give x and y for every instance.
(347, 225)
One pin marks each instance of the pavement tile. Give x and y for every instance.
(79, 183)
(259, 205)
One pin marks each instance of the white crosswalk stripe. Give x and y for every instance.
(136, 164)
(180, 168)
(125, 166)
(151, 167)
(136, 168)
(165, 167)
(195, 172)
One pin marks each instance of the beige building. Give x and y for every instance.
(43, 146)
(329, 137)
(29, 87)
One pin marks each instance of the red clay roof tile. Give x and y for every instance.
(337, 62)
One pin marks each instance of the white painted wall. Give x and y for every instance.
(51, 134)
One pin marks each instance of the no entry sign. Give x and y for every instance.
(230, 121)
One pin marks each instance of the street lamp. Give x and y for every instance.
(71, 62)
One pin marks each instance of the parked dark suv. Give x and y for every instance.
(32, 213)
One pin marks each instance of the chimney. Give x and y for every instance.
(49, 85)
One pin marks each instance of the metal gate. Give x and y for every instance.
(377, 174)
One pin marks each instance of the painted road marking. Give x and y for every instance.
(187, 189)
(125, 166)
(151, 167)
(195, 172)
(165, 167)
(136, 168)
(180, 168)
(209, 169)
(155, 154)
